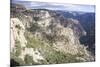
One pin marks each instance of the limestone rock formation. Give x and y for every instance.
(41, 36)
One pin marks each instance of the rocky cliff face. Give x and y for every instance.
(42, 36)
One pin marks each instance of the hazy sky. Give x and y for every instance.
(56, 6)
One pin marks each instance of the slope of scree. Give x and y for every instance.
(41, 36)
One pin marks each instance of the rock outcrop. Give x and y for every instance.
(47, 37)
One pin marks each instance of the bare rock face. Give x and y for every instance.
(17, 32)
(42, 34)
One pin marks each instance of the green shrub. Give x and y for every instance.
(17, 42)
(18, 48)
(18, 26)
(20, 61)
(17, 59)
(58, 57)
(34, 43)
(34, 27)
(28, 59)
(36, 18)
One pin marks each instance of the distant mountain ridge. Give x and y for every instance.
(56, 6)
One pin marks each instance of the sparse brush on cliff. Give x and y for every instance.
(41, 37)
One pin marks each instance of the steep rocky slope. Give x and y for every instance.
(43, 36)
